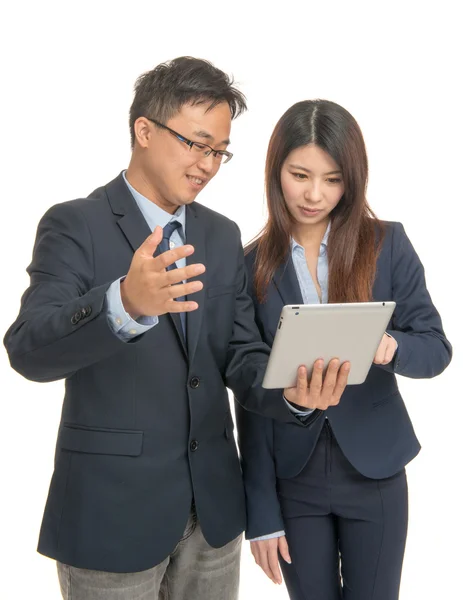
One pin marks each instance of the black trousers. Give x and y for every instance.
(346, 533)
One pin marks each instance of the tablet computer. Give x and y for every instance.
(308, 332)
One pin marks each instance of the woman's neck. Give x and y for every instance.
(310, 236)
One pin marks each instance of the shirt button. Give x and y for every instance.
(119, 321)
(171, 245)
(194, 445)
(132, 331)
(194, 382)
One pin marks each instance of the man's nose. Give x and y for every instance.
(208, 164)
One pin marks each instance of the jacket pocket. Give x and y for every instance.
(220, 290)
(92, 440)
(386, 399)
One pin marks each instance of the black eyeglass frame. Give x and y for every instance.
(198, 145)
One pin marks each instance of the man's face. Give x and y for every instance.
(173, 172)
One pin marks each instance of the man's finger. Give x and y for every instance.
(169, 257)
(184, 289)
(149, 246)
(178, 307)
(177, 275)
(283, 548)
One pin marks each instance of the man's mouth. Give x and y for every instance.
(197, 181)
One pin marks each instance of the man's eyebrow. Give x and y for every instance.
(336, 172)
(204, 134)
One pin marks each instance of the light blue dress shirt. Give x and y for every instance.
(119, 320)
(308, 289)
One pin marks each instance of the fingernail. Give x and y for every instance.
(288, 561)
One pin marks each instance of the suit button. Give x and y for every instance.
(76, 317)
(194, 445)
(86, 312)
(194, 382)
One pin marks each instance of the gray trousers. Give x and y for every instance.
(194, 570)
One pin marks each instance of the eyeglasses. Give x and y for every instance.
(220, 155)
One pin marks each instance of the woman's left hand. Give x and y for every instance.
(386, 350)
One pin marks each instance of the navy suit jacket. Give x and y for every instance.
(146, 425)
(371, 423)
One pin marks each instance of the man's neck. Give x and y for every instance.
(139, 182)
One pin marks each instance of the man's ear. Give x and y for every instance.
(143, 131)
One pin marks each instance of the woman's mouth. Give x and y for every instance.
(309, 212)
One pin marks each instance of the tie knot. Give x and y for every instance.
(169, 229)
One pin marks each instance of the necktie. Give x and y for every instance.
(163, 247)
(166, 235)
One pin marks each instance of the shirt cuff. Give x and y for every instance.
(120, 322)
(299, 413)
(269, 536)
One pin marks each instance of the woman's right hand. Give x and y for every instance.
(265, 554)
(320, 392)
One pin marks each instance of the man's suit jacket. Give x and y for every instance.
(371, 423)
(146, 425)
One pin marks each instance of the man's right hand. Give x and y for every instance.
(150, 290)
(320, 392)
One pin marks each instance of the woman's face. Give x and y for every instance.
(312, 185)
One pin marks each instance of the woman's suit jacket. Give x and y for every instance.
(371, 423)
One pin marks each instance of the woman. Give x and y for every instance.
(331, 498)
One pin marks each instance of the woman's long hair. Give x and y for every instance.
(355, 235)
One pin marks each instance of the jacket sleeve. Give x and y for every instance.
(255, 438)
(62, 324)
(423, 350)
(247, 359)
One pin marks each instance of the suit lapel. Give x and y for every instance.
(286, 283)
(132, 223)
(135, 229)
(196, 236)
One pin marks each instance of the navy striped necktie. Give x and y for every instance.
(163, 247)
(166, 235)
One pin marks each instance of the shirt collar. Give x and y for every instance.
(155, 215)
(323, 245)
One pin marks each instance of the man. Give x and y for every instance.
(138, 300)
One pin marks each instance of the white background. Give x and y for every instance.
(68, 70)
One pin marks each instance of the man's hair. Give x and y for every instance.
(161, 92)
